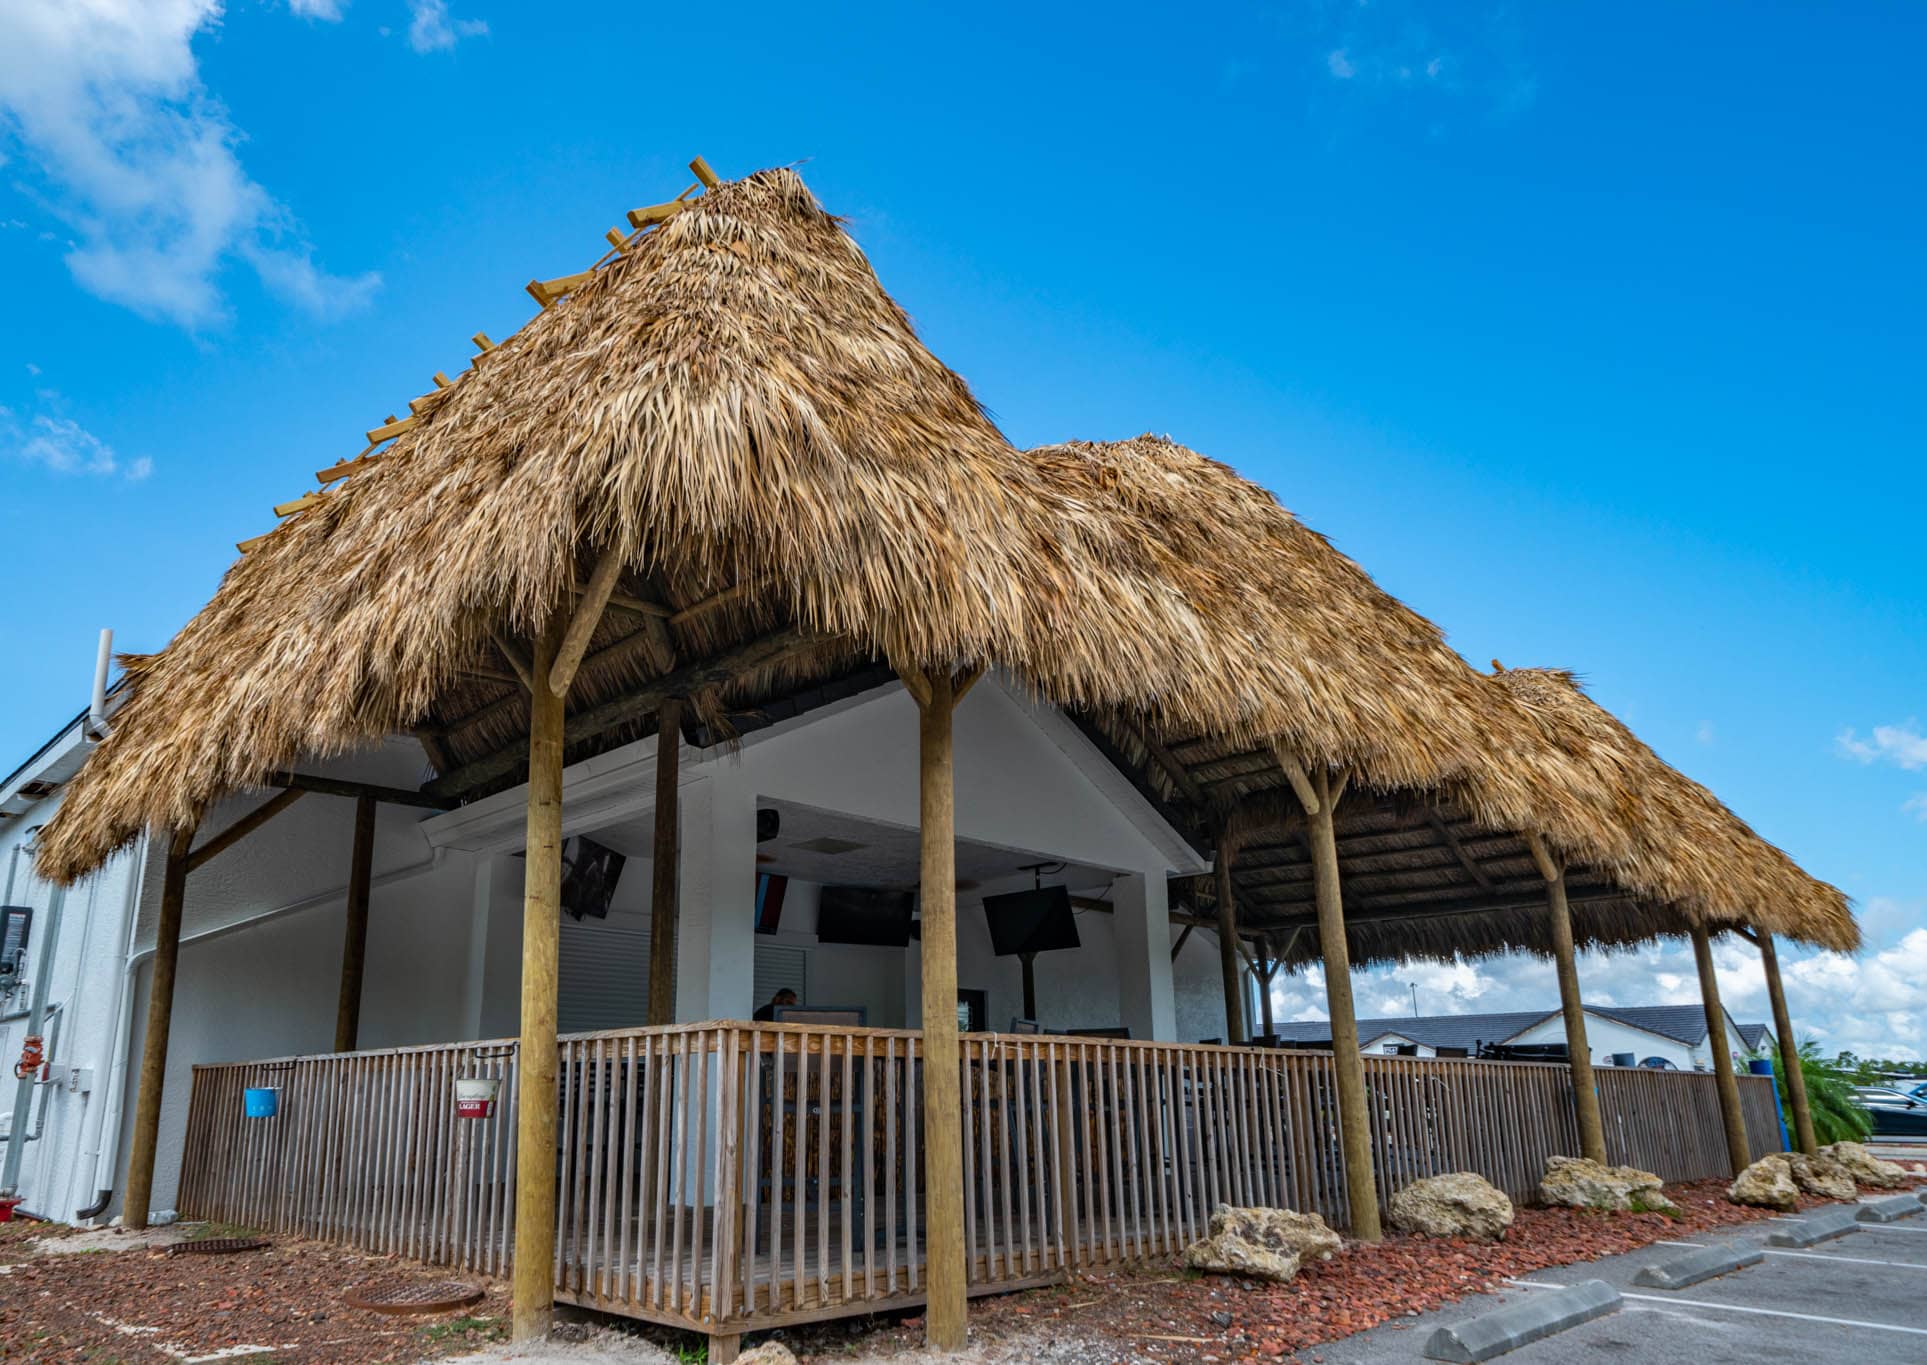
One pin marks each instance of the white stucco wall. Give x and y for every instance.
(57, 1169)
(1606, 1036)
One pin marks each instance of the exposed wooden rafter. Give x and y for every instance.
(635, 704)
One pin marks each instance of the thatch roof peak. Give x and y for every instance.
(733, 403)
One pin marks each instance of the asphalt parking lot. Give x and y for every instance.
(1860, 1298)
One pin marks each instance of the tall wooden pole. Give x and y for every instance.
(1796, 1081)
(1585, 1094)
(664, 910)
(1270, 964)
(1228, 964)
(944, 1315)
(354, 945)
(1321, 833)
(1737, 1151)
(534, 1282)
(160, 1014)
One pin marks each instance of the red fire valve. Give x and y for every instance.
(33, 1056)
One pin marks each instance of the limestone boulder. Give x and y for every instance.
(1262, 1244)
(1821, 1175)
(1578, 1183)
(1457, 1205)
(769, 1353)
(1767, 1184)
(1866, 1168)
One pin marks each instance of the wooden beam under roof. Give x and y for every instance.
(718, 671)
(1472, 867)
(1162, 757)
(341, 786)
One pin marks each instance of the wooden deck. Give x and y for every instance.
(730, 1177)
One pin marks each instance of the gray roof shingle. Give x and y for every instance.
(1682, 1023)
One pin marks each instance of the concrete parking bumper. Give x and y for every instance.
(1891, 1209)
(1820, 1227)
(1531, 1319)
(1706, 1263)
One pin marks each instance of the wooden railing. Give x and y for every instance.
(726, 1177)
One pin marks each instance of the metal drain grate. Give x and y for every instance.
(413, 1296)
(216, 1246)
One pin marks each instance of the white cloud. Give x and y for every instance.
(1916, 806)
(64, 446)
(432, 29)
(1874, 1004)
(1472, 54)
(327, 10)
(106, 100)
(1902, 744)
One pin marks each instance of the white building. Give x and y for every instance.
(1633, 1034)
(262, 935)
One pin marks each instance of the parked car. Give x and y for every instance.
(1895, 1113)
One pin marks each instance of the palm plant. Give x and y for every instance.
(1838, 1116)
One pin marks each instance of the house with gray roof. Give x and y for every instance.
(1672, 1034)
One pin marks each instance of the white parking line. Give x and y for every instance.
(1773, 1313)
(1854, 1260)
(1888, 1227)
(1700, 1245)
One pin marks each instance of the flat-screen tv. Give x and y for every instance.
(590, 872)
(1038, 921)
(864, 915)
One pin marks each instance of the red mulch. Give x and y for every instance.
(288, 1296)
(1160, 1313)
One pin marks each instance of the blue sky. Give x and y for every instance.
(1595, 332)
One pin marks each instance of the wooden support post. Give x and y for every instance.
(1234, 1003)
(354, 943)
(945, 1314)
(1737, 1152)
(534, 1282)
(1321, 834)
(664, 911)
(1585, 1093)
(1030, 984)
(1269, 963)
(1796, 1081)
(160, 1013)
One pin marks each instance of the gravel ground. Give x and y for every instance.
(118, 1297)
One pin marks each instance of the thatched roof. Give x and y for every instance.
(1450, 769)
(1710, 863)
(795, 484)
(800, 494)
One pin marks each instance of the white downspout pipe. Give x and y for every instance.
(96, 726)
(102, 1142)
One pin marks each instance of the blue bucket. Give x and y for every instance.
(260, 1101)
